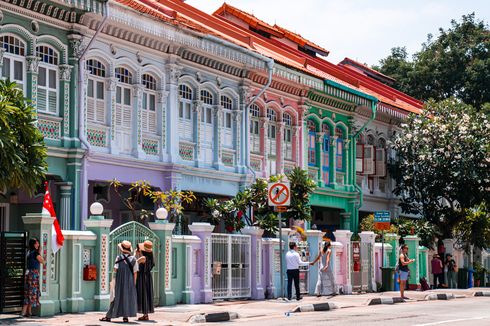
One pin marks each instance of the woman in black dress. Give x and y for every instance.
(144, 282)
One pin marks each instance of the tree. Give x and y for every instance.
(233, 211)
(22, 150)
(443, 162)
(134, 199)
(455, 63)
(474, 229)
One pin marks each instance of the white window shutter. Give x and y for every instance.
(368, 159)
(91, 109)
(41, 99)
(359, 158)
(100, 113)
(380, 162)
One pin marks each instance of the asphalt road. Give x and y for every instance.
(468, 311)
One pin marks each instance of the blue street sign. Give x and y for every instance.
(382, 216)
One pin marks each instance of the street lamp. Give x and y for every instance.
(96, 209)
(162, 214)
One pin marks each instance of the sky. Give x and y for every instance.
(363, 30)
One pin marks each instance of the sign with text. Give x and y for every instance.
(278, 194)
(382, 220)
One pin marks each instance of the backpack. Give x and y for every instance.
(424, 285)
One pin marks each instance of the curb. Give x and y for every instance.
(440, 296)
(481, 294)
(393, 300)
(315, 307)
(212, 317)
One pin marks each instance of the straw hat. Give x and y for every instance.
(125, 247)
(146, 246)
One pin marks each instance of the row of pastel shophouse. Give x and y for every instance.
(206, 266)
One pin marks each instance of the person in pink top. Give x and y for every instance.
(437, 270)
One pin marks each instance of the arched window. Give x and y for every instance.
(148, 113)
(288, 136)
(311, 143)
(96, 104)
(227, 131)
(124, 108)
(326, 154)
(47, 86)
(207, 126)
(254, 129)
(185, 112)
(13, 60)
(339, 155)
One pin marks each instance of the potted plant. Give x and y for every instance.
(479, 273)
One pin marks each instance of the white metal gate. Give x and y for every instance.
(230, 265)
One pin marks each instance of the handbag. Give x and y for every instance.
(112, 290)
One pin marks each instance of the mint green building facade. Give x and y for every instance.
(39, 51)
(330, 154)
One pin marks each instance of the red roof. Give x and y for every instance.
(217, 25)
(352, 64)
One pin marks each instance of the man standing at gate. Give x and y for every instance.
(293, 261)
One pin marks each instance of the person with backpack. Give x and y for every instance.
(452, 272)
(403, 270)
(124, 303)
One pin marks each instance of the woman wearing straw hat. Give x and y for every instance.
(144, 282)
(125, 271)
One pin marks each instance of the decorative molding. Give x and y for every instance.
(32, 64)
(65, 72)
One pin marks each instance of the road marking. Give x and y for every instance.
(451, 321)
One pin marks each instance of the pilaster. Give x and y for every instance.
(32, 79)
(111, 97)
(367, 258)
(344, 236)
(256, 261)
(279, 147)
(412, 241)
(315, 243)
(173, 71)
(137, 121)
(217, 146)
(203, 231)
(65, 205)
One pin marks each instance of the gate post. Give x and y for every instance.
(314, 241)
(256, 261)
(39, 225)
(164, 231)
(203, 231)
(343, 236)
(412, 241)
(101, 227)
(394, 240)
(367, 258)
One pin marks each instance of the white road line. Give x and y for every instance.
(451, 321)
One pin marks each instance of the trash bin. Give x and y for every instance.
(396, 283)
(470, 277)
(387, 278)
(463, 278)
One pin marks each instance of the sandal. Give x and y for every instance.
(125, 320)
(105, 319)
(144, 317)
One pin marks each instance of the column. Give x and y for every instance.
(65, 78)
(2, 52)
(264, 145)
(297, 146)
(344, 236)
(423, 259)
(345, 219)
(240, 143)
(162, 122)
(101, 227)
(256, 260)
(32, 72)
(367, 259)
(39, 225)
(111, 110)
(173, 71)
(394, 240)
(333, 160)
(243, 133)
(347, 175)
(302, 153)
(191, 244)
(315, 243)
(197, 112)
(218, 126)
(137, 128)
(270, 273)
(203, 231)
(164, 232)
(282, 256)
(412, 241)
(279, 148)
(319, 156)
(65, 205)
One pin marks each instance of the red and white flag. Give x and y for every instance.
(57, 237)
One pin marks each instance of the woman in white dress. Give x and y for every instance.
(326, 282)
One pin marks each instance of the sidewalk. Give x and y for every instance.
(179, 314)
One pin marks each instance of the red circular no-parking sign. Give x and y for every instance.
(278, 194)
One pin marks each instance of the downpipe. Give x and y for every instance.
(81, 133)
